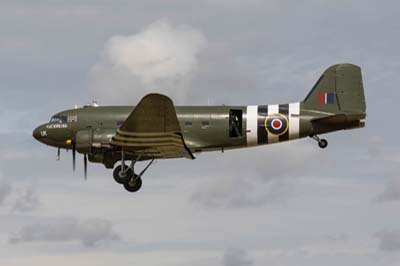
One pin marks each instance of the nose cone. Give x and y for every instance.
(39, 132)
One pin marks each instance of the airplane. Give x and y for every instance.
(156, 129)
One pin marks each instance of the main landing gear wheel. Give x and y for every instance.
(122, 177)
(134, 184)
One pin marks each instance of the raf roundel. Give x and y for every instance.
(276, 124)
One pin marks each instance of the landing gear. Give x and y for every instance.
(134, 184)
(122, 177)
(322, 143)
(126, 175)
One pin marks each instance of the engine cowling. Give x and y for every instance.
(88, 140)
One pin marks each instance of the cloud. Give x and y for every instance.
(235, 191)
(375, 146)
(89, 232)
(266, 181)
(236, 257)
(389, 240)
(5, 191)
(28, 201)
(159, 58)
(391, 192)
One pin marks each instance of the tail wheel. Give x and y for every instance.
(323, 143)
(122, 177)
(134, 184)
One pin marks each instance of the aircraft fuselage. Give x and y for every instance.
(204, 128)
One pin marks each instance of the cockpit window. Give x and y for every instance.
(58, 119)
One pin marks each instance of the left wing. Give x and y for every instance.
(152, 130)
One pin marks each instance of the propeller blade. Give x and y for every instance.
(85, 165)
(73, 157)
(58, 154)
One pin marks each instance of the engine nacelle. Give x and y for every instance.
(88, 140)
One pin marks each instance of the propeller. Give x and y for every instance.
(73, 157)
(85, 159)
(58, 154)
(85, 165)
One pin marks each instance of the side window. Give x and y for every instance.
(205, 124)
(72, 118)
(235, 123)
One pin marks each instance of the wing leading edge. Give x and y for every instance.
(152, 130)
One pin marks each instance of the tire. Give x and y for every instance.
(323, 143)
(122, 179)
(134, 186)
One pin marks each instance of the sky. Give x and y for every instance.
(289, 204)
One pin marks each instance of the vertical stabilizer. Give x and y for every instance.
(338, 90)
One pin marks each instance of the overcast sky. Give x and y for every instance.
(288, 204)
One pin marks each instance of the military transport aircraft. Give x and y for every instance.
(156, 129)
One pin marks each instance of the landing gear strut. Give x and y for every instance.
(322, 143)
(126, 175)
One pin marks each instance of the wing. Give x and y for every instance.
(152, 130)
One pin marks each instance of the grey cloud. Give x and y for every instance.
(27, 201)
(391, 191)
(239, 192)
(266, 181)
(89, 232)
(236, 257)
(375, 146)
(5, 191)
(389, 240)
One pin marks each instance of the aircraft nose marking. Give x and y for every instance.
(39, 133)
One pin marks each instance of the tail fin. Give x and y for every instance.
(338, 90)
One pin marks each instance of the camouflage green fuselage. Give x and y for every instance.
(204, 128)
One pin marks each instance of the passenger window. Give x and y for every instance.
(72, 118)
(205, 123)
(188, 123)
